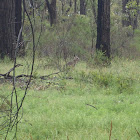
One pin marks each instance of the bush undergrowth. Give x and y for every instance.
(117, 83)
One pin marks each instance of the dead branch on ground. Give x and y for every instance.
(7, 74)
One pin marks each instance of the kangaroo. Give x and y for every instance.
(73, 62)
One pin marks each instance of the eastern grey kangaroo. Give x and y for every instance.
(73, 62)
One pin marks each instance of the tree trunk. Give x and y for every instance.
(7, 28)
(135, 24)
(94, 10)
(52, 11)
(18, 23)
(129, 18)
(75, 6)
(126, 20)
(103, 27)
(18, 17)
(82, 7)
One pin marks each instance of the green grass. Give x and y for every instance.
(60, 112)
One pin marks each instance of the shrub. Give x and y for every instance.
(108, 81)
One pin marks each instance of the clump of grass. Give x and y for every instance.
(107, 80)
(98, 60)
(4, 103)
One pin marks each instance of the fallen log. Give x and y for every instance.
(7, 74)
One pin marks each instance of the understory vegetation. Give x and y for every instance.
(89, 102)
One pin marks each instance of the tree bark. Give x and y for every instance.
(18, 16)
(18, 24)
(7, 28)
(94, 10)
(82, 7)
(128, 17)
(52, 11)
(103, 27)
(126, 20)
(135, 24)
(75, 6)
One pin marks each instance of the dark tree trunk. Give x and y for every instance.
(135, 24)
(103, 27)
(52, 11)
(64, 10)
(70, 3)
(126, 20)
(82, 7)
(128, 17)
(75, 6)
(94, 11)
(18, 17)
(18, 23)
(70, 6)
(7, 28)
(62, 7)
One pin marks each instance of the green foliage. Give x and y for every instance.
(6, 60)
(80, 35)
(98, 59)
(81, 23)
(4, 103)
(62, 85)
(75, 33)
(72, 35)
(125, 85)
(136, 41)
(132, 7)
(35, 74)
(101, 79)
(107, 80)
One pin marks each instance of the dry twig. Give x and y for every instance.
(110, 131)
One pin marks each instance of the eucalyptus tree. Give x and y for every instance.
(103, 27)
(18, 24)
(7, 28)
(130, 11)
(52, 11)
(83, 7)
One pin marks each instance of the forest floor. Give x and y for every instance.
(87, 103)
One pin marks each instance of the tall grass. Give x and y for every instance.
(65, 110)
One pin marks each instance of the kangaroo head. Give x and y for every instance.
(76, 58)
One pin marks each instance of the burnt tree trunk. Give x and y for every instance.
(7, 28)
(82, 7)
(52, 11)
(103, 27)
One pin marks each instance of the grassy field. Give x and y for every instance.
(65, 109)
